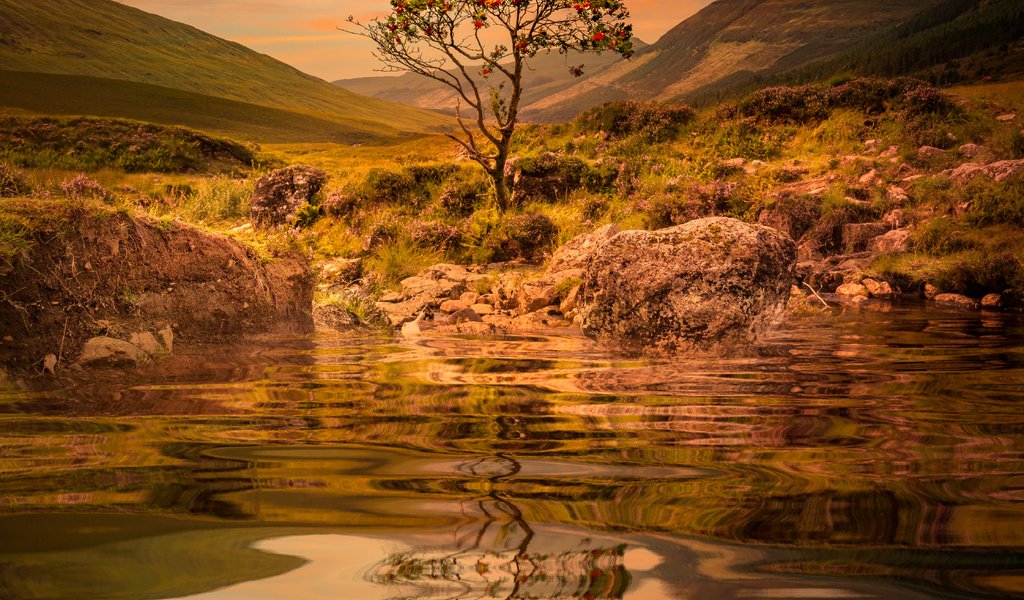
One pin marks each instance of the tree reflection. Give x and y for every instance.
(491, 556)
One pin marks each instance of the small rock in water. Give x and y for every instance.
(146, 342)
(464, 315)
(992, 301)
(956, 301)
(852, 290)
(930, 291)
(111, 352)
(878, 289)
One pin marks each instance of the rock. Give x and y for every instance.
(929, 152)
(340, 272)
(857, 236)
(536, 294)
(969, 150)
(878, 289)
(992, 301)
(280, 195)
(470, 298)
(427, 290)
(451, 306)
(482, 309)
(930, 291)
(106, 352)
(871, 144)
(890, 152)
(1006, 118)
(733, 163)
(956, 301)
(710, 284)
(50, 364)
(869, 177)
(911, 178)
(575, 253)
(546, 318)
(466, 314)
(999, 171)
(852, 290)
(898, 195)
(146, 342)
(392, 297)
(895, 218)
(891, 242)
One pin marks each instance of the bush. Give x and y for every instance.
(515, 237)
(461, 199)
(435, 235)
(653, 121)
(81, 187)
(12, 183)
(411, 186)
(548, 177)
(941, 236)
(806, 103)
(977, 273)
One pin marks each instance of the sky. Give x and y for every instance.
(303, 33)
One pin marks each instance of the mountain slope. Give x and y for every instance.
(104, 39)
(731, 41)
(547, 74)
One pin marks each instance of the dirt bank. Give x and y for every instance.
(84, 271)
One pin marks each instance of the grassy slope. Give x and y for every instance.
(730, 41)
(37, 93)
(101, 38)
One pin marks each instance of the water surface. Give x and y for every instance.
(869, 455)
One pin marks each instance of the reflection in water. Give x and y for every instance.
(879, 455)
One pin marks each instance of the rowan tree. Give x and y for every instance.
(481, 49)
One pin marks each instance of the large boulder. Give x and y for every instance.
(708, 285)
(280, 195)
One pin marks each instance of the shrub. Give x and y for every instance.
(435, 235)
(81, 187)
(806, 103)
(653, 121)
(461, 199)
(340, 204)
(411, 186)
(978, 273)
(515, 237)
(548, 177)
(940, 236)
(12, 183)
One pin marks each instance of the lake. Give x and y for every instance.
(875, 454)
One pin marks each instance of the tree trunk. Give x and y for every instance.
(501, 191)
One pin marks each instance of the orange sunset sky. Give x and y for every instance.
(304, 35)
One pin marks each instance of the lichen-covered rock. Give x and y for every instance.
(708, 285)
(280, 195)
(427, 291)
(999, 171)
(956, 301)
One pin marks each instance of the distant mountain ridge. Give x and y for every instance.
(108, 40)
(726, 44)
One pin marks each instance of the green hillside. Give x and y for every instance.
(104, 39)
(38, 93)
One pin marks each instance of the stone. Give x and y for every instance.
(106, 352)
(427, 290)
(392, 297)
(992, 301)
(482, 309)
(280, 195)
(969, 150)
(890, 152)
(734, 163)
(929, 152)
(466, 314)
(892, 242)
(895, 218)
(878, 289)
(711, 284)
(1006, 118)
(898, 195)
(869, 177)
(575, 253)
(470, 298)
(452, 306)
(956, 301)
(50, 364)
(146, 342)
(871, 144)
(334, 318)
(999, 171)
(852, 290)
(930, 291)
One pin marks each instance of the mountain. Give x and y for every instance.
(728, 42)
(724, 46)
(547, 74)
(104, 40)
